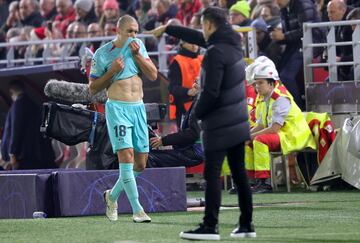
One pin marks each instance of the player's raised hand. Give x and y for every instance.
(117, 65)
(134, 47)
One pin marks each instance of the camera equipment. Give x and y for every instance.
(71, 126)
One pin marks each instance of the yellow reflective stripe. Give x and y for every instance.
(225, 167)
(295, 134)
(249, 158)
(261, 156)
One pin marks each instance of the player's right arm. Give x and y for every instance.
(99, 78)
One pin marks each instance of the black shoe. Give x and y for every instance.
(262, 188)
(232, 190)
(244, 232)
(256, 183)
(203, 232)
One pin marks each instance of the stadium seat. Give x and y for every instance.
(273, 171)
(198, 169)
(319, 74)
(196, 172)
(285, 167)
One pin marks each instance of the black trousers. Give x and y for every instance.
(175, 157)
(213, 165)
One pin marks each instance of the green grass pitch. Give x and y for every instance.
(278, 217)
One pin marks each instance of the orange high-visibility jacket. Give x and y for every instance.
(190, 71)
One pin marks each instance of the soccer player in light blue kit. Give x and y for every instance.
(116, 66)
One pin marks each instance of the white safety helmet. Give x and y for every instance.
(265, 71)
(262, 67)
(249, 72)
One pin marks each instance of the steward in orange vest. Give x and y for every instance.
(183, 72)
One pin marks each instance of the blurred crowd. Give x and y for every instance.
(29, 20)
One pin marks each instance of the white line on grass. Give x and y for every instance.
(314, 234)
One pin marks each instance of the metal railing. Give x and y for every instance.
(250, 48)
(64, 56)
(334, 96)
(63, 46)
(331, 45)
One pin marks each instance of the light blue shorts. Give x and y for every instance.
(127, 126)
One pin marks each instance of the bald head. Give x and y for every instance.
(125, 20)
(94, 30)
(79, 30)
(338, 3)
(70, 30)
(336, 10)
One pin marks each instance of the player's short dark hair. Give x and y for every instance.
(215, 15)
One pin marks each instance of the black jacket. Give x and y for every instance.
(35, 19)
(189, 132)
(293, 17)
(344, 33)
(270, 48)
(222, 103)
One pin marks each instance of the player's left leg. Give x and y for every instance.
(140, 138)
(139, 166)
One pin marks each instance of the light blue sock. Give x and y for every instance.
(118, 187)
(137, 173)
(129, 184)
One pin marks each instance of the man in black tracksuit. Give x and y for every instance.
(187, 149)
(222, 110)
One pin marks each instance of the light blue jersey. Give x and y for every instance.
(105, 55)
